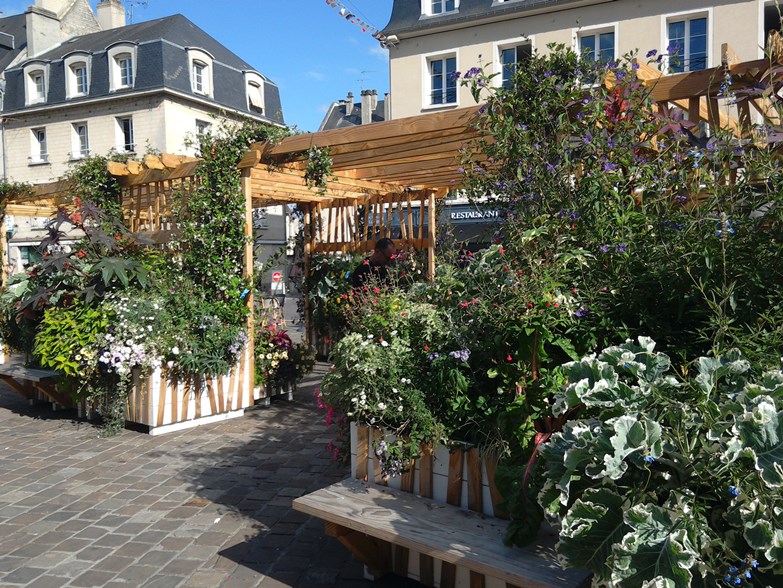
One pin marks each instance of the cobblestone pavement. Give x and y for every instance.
(208, 507)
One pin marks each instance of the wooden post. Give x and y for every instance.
(431, 236)
(306, 252)
(250, 365)
(4, 252)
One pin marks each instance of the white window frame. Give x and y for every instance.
(122, 143)
(254, 79)
(499, 47)
(32, 73)
(596, 31)
(205, 60)
(71, 63)
(428, 7)
(39, 152)
(686, 15)
(426, 60)
(116, 54)
(80, 149)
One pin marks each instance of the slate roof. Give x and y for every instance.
(161, 64)
(406, 16)
(336, 118)
(13, 38)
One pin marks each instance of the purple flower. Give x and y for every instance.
(609, 166)
(588, 138)
(455, 75)
(621, 248)
(433, 356)
(462, 354)
(605, 248)
(582, 312)
(652, 53)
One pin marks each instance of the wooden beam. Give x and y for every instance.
(403, 127)
(699, 83)
(153, 162)
(30, 211)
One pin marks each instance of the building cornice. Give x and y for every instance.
(74, 104)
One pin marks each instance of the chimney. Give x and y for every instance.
(386, 106)
(366, 107)
(43, 30)
(55, 6)
(349, 104)
(111, 14)
(374, 99)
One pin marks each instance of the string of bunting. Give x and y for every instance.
(353, 19)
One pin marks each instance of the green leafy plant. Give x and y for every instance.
(667, 481)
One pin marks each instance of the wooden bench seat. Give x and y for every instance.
(369, 519)
(33, 383)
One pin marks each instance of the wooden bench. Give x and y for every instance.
(369, 519)
(34, 384)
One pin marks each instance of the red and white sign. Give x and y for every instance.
(277, 277)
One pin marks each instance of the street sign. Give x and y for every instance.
(277, 277)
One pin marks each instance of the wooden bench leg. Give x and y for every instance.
(374, 553)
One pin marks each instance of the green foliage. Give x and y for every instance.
(65, 333)
(663, 479)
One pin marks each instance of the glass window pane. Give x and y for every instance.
(450, 5)
(588, 47)
(437, 6)
(451, 81)
(606, 41)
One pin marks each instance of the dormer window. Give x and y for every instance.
(435, 7)
(122, 67)
(35, 84)
(77, 74)
(200, 63)
(255, 92)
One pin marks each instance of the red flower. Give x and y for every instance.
(557, 304)
(377, 290)
(508, 357)
(463, 304)
(81, 254)
(530, 305)
(502, 251)
(547, 304)
(426, 348)
(366, 262)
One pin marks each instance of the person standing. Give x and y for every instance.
(373, 268)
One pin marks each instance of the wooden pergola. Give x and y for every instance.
(383, 174)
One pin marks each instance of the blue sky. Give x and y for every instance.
(305, 46)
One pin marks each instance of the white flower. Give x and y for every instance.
(384, 344)
(175, 350)
(399, 408)
(393, 333)
(381, 406)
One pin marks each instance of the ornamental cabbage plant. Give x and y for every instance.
(668, 481)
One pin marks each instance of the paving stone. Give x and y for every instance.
(22, 575)
(92, 579)
(202, 508)
(48, 582)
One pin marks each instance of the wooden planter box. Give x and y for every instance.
(165, 402)
(458, 477)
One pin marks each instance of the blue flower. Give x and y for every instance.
(734, 491)
(455, 75)
(649, 459)
(609, 166)
(605, 248)
(588, 138)
(621, 248)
